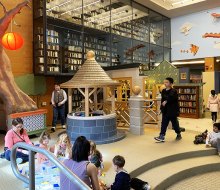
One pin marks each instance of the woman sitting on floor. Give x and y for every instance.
(15, 135)
(80, 166)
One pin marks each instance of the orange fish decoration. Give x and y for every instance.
(216, 15)
(211, 35)
(194, 49)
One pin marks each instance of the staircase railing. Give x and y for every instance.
(31, 179)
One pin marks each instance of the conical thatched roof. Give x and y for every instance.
(90, 74)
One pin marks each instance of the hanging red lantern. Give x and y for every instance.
(12, 41)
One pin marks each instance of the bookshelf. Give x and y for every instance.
(119, 32)
(188, 97)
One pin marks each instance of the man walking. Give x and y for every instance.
(169, 109)
(58, 100)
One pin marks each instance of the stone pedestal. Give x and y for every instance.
(136, 104)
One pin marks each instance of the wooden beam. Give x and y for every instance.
(95, 100)
(86, 102)
(81, 92)
(92, 91)
(113, 99)
(70, 100)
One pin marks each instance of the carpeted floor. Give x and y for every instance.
(137, 150)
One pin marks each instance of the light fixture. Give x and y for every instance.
(115, 20)
(60, 5)
(173, 4)
(80, 7)
(188, 62)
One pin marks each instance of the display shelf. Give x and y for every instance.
(188, 97)
(66, 35)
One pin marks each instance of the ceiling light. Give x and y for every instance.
(62, 4)
(80, 7)
(188, 62)
(173, 4)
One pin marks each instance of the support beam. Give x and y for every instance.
(95, 100)
(86, 102)
(70, 100)
(113, 99)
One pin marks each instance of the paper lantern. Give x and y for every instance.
(12, 41)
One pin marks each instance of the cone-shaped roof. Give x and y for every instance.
(90, 74)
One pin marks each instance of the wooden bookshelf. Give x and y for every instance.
(188, 101)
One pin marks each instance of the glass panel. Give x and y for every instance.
(140, 55)
(97, 14)
(140, 34)
(167, 32)
(68, 10)
(53, 49)
(156, 28)
(121, 24)
(39, 59)
(72, 51)
(155, 55)
(99, 43)
(167, 54)
(140, 23)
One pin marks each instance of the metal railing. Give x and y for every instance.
(50, 156)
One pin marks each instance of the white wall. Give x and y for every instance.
(131, 72)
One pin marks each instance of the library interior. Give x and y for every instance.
(109, 94)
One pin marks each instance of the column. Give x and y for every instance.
(136, 115)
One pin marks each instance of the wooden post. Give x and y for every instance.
(113, 99)
(95, 100)
(70, 100)
(86, 102)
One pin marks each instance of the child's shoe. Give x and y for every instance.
(146, 187)
(161, 138)
(19, 160)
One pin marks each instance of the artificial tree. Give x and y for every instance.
(12, 96)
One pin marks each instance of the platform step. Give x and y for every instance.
(163, 176)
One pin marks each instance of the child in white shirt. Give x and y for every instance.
(213, 138)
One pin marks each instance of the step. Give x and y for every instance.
(163, 176)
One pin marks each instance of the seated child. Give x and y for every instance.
(44, 141)
(95, 157)
(213, 138)
(63, 147)
(122, 178)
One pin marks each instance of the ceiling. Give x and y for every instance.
(172, 8)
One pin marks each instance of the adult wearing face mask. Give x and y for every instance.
(213, 105)
(15, 135)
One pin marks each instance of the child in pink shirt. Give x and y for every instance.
(44, 141)
(15, 135)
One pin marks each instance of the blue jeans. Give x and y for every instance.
(58, 111)
(21, 155)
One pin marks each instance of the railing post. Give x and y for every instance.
(136, 111)
(31, 170)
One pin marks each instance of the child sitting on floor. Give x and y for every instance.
(44, 141)
(122, 178)
(63, 147)
(213, 138)
(95, 157)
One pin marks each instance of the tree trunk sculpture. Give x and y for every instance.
(14, 99)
